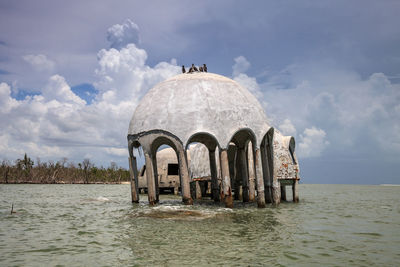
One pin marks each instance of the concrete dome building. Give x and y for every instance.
(216, 111)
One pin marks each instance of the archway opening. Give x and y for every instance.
(202, 151)
(200, 174)
(167, 172)
(241, 169)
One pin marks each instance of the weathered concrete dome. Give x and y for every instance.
(240, 146)
(200, 102)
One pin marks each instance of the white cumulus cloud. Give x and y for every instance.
(241, 65)
(119, 35)
(351, 110)
(40, 62)
(287, 128)
(239, 68)
(58, 123)
(58, 89)
(312, 142)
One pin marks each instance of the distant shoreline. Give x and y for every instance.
(127, 182)
(62, 182)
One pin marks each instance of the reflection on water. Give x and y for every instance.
(69, 225)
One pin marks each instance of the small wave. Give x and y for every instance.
(100, 199)
(176, 212)
(368, 234)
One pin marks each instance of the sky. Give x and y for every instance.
(326, 72)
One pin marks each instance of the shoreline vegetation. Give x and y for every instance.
(26, 171)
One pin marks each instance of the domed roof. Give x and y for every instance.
(199, 102)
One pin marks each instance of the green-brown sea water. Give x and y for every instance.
(97, 225)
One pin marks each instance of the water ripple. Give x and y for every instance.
(75, 225)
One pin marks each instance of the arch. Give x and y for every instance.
(156, 143)
(212, 144)
(200, 169)
(205, 138)
(162, 140)
(151, 141)
(241, 139)
(166, 160)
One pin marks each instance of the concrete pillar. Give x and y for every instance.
(214, 176)
(266, 175)
(242, 169)
(197, 190)
(151, 186)
(185, 178)
(276, 192)
(260, 180)
(295, 191)
(251, 172)
(268, 194)
(283, 193)
(237, 178)
(134, 179)
(226, 181)
(157, 188)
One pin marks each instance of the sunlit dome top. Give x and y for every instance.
(200, 102)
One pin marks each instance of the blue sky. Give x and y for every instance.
(326, 72)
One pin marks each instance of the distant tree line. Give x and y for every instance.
(26, 171)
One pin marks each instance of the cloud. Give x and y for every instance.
(6, 102)
(250, 83)
(336, 111)
(58, 89)
(119, 35)
(241, 65)
(124, 76)
(312, 142)
(287, 128)
(40, 62)
(58, 123)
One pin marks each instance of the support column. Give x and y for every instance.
(214, 176)
(251, 172)
(266, 175)
(151, 186)
(260, 180)
(295, 191)
(276, 192)
(283, 193)
(197, 190)
(185, 178)
(134, 179)
(237, 178)
(157, 188)
(241, 153)
(226, 180)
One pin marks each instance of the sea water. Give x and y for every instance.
(97, 225)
